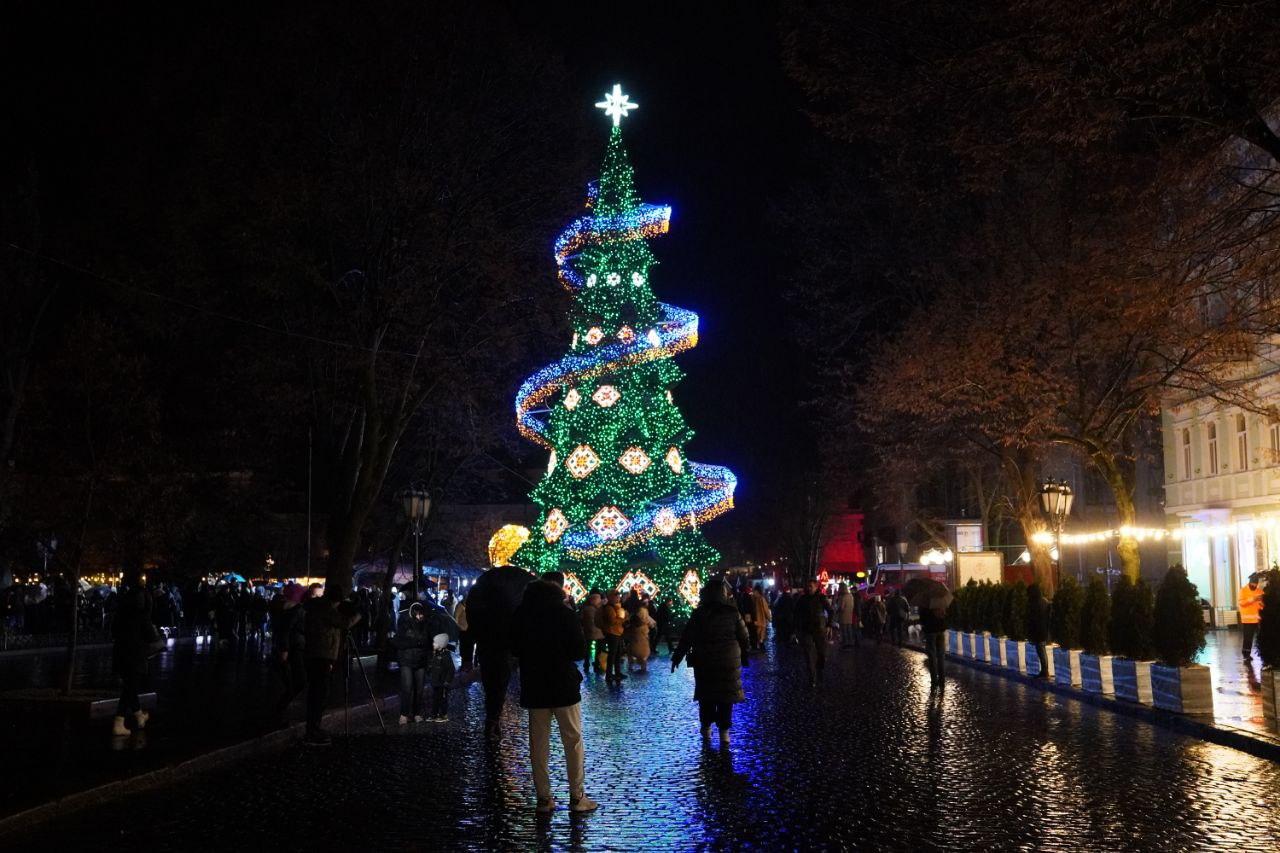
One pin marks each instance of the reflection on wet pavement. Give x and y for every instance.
(868, 761)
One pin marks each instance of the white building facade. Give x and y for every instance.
(1222, 494)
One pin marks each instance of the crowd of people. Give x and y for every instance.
(513, 621)
(510, 615)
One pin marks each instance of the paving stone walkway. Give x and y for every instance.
(868, 761)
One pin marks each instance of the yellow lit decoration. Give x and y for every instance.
(635, 460)
(637, 279)
(691, 588)
(571, 399)
(504, 543)
(555, 526)
(551, 463)
(573, 586)
(606, 396)
(627, 335)
(674, 462)
(609, 522)
(595, 335)
(635, 578)
(1143, 534)
(582, 461)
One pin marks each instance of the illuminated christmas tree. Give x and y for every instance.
(621, 503)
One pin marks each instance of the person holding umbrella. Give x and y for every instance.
(932, 598)
(490, 605)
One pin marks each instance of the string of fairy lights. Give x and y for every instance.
(621, 502)
(1150, 534)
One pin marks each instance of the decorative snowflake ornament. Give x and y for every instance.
(555, 525)
(606, 396)
(609, 522)
(582, 461)
(635, 460)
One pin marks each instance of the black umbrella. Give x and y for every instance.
(928, 594)
(493, 599)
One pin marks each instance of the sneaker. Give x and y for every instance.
(140, 719)
(404, 721)
(583, 804)
(118, 728)
(440, 718)
(317, 739)
(546, 806)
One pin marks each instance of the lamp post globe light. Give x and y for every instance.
(1056, 498)
(416, 503)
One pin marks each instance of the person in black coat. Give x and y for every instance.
(716, 641)
(413, 652)
(810, 617)
(490, 605)
(288, 638)
(132, 635)
(547, 637)
(444, 636)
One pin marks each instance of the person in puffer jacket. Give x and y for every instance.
(414, 652)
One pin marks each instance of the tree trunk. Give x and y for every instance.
(393, 562)
(73, 637)
(374, 449)
(1121, 476)
(1021, 468)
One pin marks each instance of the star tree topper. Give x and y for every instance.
(616, 104)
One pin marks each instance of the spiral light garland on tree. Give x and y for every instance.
(620, 500)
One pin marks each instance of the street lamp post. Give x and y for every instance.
(1056, 498)
(417, 506)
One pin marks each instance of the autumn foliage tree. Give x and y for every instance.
(1092, 194)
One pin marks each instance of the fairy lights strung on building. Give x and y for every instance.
(1146, 534)
(600, 519)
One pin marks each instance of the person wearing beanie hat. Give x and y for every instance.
(288, 639)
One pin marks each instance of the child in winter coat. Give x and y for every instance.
(637, 637)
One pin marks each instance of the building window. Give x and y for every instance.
(1211, 433)
(1275, 443)
(1186, 450)
(1242, 443)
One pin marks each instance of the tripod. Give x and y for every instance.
(353, 652)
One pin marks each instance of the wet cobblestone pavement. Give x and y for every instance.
(867, 761)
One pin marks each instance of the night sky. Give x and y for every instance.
(719, 136)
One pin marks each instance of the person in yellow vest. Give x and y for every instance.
(1250, 607)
